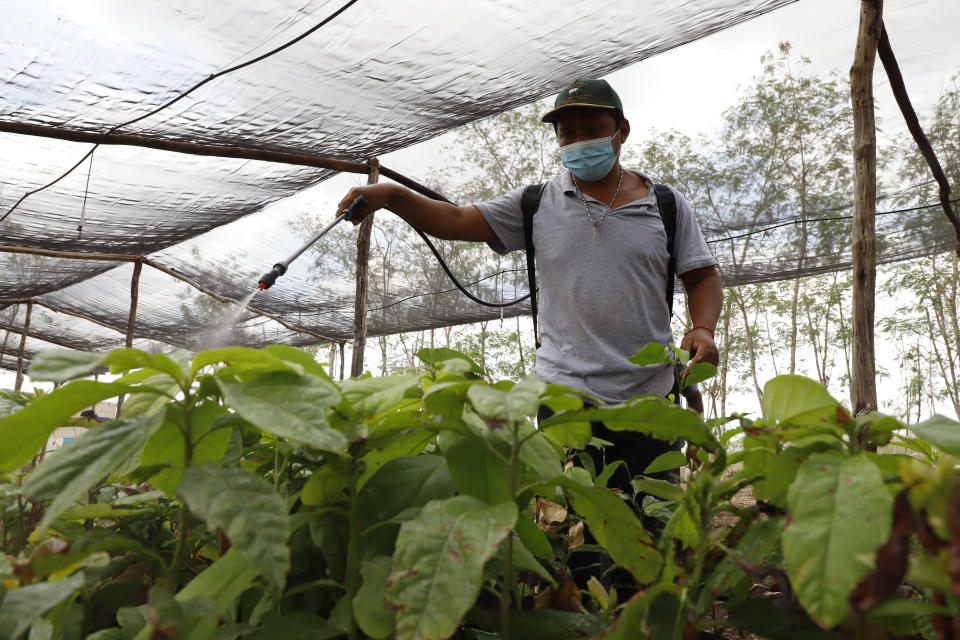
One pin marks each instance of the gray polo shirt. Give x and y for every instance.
(601, 298)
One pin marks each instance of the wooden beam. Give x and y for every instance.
(863, 387)
(360, 301)
(885, 51)
(134, 297)
(190, 148)
(23, 345)
(220, 151)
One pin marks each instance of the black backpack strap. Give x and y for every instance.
(667, 203)
(529, 203)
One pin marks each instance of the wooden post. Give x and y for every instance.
(863, 387)
(333, 356)
(23, 346)
(134, 297)
(132, 319)
(6, 333)
(360, 302)
(342, 359)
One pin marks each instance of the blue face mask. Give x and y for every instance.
(590, 160)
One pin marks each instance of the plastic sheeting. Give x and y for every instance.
(377, 78)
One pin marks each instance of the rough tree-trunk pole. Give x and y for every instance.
(333, 357)
(863, 387)
(23, 346)
(363, 259)
(132, 319)
(342, 359)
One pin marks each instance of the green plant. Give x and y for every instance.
(243, 493)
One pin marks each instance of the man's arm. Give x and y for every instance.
(435, 217)
(705, 300)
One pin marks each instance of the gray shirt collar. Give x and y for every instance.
(566, 181)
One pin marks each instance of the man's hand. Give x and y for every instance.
(700, 342)
(377, 195)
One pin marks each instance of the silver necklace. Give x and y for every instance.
(596, 223)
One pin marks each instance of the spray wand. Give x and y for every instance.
(351, 212)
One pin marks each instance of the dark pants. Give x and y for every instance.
(637, 451)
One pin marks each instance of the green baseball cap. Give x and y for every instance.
(585, 92)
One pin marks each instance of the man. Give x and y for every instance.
(602, 261)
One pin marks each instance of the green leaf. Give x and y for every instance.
(666, 461)
(243, 359)
(166, 446)
(20, 607)
(324, 487)
(941, 432)
(70, 471)
(654, 416)
(698, 373)
(523, 560)
(407, 444)
(435, 356)
(789, 397)
(536, 450)
(570, 434)
(840, 513)
(475, 469)
(288, 405)
(301, 358)
(123, 360)
(373, 614)
(514, 405)
(533, 538)
(400, 484)
(759, 541)
(652, 353)
(658, 488)
(438, 564)
(373, 396)
(246, 507)
(142, 403)
(25, 432)
(11, 402)
(60, 365)
(615, 527)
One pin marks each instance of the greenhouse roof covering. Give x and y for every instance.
(357, 80)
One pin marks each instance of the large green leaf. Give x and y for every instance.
(373, 614)
(788, 398)
(123, 360)
(438, 564)
(615, 527)
(60, 365)
(288, 405)
(475, 469)
(940, 431)
(302, 358)
(24, 433)
(166, 446)
(70, 471)
(142, 403)
(407, 444)
(243, 359)
(515, 405)
(371, 396)
(400, 484)
(20, 607)
(441, 354)
(250, 512)
(657, 417)
(840, 513)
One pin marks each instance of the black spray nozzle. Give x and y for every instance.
(353, 210)
(267, 279)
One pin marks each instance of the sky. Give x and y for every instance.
(688, 88)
